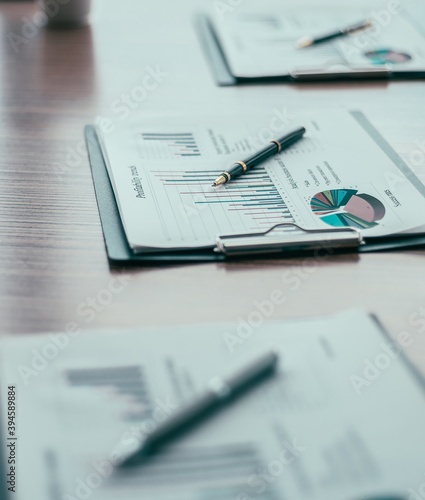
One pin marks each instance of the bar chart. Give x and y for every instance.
(127, 383)
(248, 203)
(169, 145)
(206, 473)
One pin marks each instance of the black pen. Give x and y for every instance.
(348, 30)
(219, 392)
(275, 146)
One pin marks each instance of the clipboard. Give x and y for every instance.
(227, 246)
(223, 76)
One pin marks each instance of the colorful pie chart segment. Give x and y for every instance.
(346, 207)
(384, 56)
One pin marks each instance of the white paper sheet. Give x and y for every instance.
(162, 169)
(262, 44)
(342, 418)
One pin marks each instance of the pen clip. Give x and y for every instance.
(305, 239)
(312, 74)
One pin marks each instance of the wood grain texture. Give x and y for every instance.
(52, 258)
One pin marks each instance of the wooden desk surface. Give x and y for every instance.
(53, 265)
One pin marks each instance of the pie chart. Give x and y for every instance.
(383, 56)
(347, 207)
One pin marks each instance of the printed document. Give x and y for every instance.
(262, 44)
(342, 173)
(341, 419)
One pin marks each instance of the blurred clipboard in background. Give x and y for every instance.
(244, 45)
(342, 183)
(344, 399)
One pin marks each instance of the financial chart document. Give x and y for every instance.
(341, 419)
(341, 173)
(262, 44)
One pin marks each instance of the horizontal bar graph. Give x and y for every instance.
(123, 382)
(202, 473)
(170, 145)
(252, 197)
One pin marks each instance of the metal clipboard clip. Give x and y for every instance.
(237, 245)
(344, 72)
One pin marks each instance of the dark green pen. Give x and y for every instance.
(275, 146)
(348, 30)
(219, 393)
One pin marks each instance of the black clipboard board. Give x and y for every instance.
(119, 252)
(223, 76)
(116, 244)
